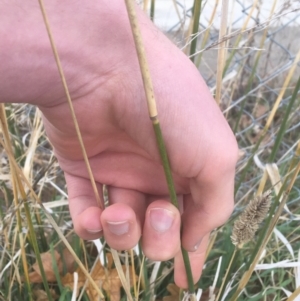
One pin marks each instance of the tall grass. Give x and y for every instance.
(257, 83)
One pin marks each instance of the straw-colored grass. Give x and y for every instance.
(257, 86)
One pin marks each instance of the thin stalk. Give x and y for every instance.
(284, 122)
(262, 183)
(178, 14)
(41, 231)
(55, 269)
(74, 255)
(14, 130)
(206, 34)
(125, 284)
(145, 5)
(225, 280)
(196, 19)
(79, 136)
(295, 158)
(142, 276)
(211, 243)
(7, 142)
(155, 121)
(222, 51)
(143, 279)
(64, 82)
(35, 246)
(133, 274)
(25, 267)
(152, 10)
(165, 162)
(240, 37)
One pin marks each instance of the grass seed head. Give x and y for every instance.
(248, 223)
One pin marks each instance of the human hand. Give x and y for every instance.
(96, 48)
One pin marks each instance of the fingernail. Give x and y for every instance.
(93, 231)
(118, 228)
(197, 245)
(161, 219)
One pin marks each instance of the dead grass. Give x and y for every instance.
(249, 95)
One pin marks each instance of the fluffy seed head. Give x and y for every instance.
(248, 222)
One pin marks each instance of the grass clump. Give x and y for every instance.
(259, 94)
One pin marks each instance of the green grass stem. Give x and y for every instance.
(55, 269)
(196, 20)
(283, 125)
(149, 91)
(25, 267)
(37, 253)
(40, 229)
(227, 275)
(152, 10)
(165, 162)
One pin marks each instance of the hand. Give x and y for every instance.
(96, 48)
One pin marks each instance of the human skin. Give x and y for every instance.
(98, 56)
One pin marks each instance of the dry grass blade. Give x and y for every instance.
(254, 85)
(35, 135)
(207, 32)
(64, 82)
(178, 13)
(145, 5)
(142, 59)
(117, 262)
(222, 50)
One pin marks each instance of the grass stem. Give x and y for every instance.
(227, 275)
(222, 51)
(196, 20)
(155, 121)
(152, 10)
(284, 122)
(64, 82)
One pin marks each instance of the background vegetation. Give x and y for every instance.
(252, 67)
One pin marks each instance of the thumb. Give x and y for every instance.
(211, 201)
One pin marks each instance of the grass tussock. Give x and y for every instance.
(253, 69)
